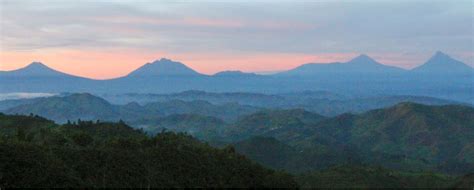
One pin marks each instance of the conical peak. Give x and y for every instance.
(163, 67)
(164, 60)
(362, 58)
(36, 65)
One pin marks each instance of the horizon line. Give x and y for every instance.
(262, 73)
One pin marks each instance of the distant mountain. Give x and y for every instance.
(226, 112)
(163, 67)
(413, 127)
(426, 136)
(441, 63)
(234, 74)
(361, 76)
(7, 104)
(86, 106)
(321, 102)
(282, 124)
(360, 105)
(38, 77)
(35, 69)
(202, 127)
(406, 136)
(359, 65)
(76, 106)
(244, 98)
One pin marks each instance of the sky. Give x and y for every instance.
(104, 39)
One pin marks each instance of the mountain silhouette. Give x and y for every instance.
(358, 65)
(440, 63)
(72, 107)
(234, 74)
(35, 69)
(361, 76)
(163, 67)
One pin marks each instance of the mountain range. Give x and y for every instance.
(404, 136)
(105, 154)
(362, 64)
(439, 63)
(86, 106)
(441, 76)
(224, 106)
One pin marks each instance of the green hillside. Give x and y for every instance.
(202, 127)
(76, 106)
(283, 124)
(35, 152)
(276, 154)
(89, 107)
(423, 136)
(227, 111)
(407, 136)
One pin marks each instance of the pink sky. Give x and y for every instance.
(109, 39)
(115, 63)
(111, 64)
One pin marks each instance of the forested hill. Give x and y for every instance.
(408, 137)
(35, 152)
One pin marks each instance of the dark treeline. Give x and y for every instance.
(35, 152)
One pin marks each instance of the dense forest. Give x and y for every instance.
(224, 94)
(35, 152)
